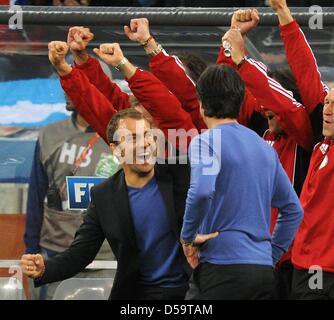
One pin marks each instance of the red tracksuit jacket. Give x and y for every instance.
(291, 115)
(104, 98)
(313, 241)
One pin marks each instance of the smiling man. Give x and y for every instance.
(313, 246)
(139, 211)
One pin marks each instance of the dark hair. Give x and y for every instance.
(132, 113)
(193, 63)
(221, 91)
(285, 78)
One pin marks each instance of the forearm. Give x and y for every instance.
(303, 65)
(291, 115)
(171, 72)
(92, 105)
(94, 72)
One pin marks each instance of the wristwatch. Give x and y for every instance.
(156, 51)
(243, 60)
(121, 63)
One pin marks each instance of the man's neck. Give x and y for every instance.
(134, 180)
(214, 122)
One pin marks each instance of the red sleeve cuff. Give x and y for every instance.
(158, 58)
(289, 28)
(134, 77)
(69, 75)
(88, 63)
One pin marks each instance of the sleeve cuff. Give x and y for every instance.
(135, 76)
(87, 64)
(289, 28)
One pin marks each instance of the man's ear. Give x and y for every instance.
(201, 109)
(114, 150)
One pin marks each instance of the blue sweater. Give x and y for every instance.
(161, 256)
(236, 178)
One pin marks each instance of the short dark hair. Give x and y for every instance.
(126, 113)
(194, 64)
(221, 91)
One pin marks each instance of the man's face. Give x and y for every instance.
(137, 147)
(328, 115)
(274, 127)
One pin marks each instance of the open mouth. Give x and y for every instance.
(327, 122)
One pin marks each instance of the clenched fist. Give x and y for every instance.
(139, 30)
(278, 4)
(245, 20)
(110, 53)
(78, 38)
(32, 265)
(57, 52)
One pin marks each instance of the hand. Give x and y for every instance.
(78, 38)
(191, 251)
(110, 53)
(139, 30)
(278, 4)
(245, 20)
(32, 265)
(283, 12)
(57, 52)
(234, 37)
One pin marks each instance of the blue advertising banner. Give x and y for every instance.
(78, 191)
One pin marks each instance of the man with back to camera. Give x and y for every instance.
(236, 178)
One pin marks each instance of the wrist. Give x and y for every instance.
(146, 40)
(80, 57)
(186, 243)
(63, 69)
(284, 16)
(242, 61)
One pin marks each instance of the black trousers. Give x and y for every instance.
(159, 293)
(234, 282)
(303, 286)
(283, 280)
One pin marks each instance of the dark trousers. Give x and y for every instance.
(302, 285)
(283, 280)
(234, 282)
(159, 293)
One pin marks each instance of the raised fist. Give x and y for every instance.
(78, 38)
(139, 30)
(57, 52)
(32, 265)
(245, 20)
(110, 53)
(278, 4)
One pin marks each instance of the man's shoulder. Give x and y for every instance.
(109, 184)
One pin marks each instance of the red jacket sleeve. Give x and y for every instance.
(163, 106)
(92, 105)
(303, 66)
(292, 116)
(171, 72)
(250, 104)
(94, 72)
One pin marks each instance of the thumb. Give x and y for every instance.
(255, 15)
(38, 259)
(97, 52)
(127, 31)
